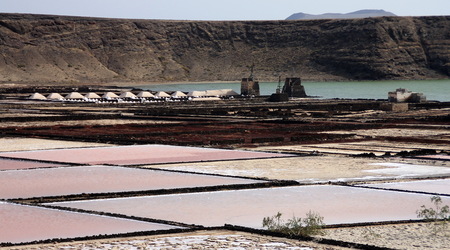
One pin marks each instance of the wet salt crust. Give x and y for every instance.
(20, 223)
(135, 155)
(337, 204)
(319, 168)
(101, 179)
(441, 186)
(10, 164)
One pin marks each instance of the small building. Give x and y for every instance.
(293, 87)
(394, 106)
(249, 86)
(403, 95)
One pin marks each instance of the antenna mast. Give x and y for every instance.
(279, 85)
(251, 70)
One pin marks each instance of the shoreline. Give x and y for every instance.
(143, 83)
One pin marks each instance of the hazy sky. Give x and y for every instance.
(219, 9)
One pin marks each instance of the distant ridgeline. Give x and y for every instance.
(37, 48)
(356, 14)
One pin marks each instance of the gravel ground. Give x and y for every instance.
(79, 123)
(397, 236)
(24, 144)
(395, 132)
(196, 240)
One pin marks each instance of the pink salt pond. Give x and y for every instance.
(101, 179)
(429, 186)
(10, 164)
(435, 157)
(337, 204)
(20, 224)
(135, 155)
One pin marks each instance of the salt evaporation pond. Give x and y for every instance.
(21, 223)
(429, 186)
(141, 154)
(101, 179)
(337, 204)
(402, 170)
(10, 164)
(435, 157)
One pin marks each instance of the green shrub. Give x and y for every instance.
(311, 225)
(439, 215)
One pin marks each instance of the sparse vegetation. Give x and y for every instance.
(439, 215)
(368, 233)
(311, 225)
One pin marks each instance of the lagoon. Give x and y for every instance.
(437, 90)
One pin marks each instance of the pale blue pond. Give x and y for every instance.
(438, 90)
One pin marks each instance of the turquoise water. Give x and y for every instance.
(438, 90)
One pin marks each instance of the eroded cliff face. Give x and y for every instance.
(73, 49)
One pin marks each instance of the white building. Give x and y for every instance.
(403, 95)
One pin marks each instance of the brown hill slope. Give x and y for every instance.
(76, 49)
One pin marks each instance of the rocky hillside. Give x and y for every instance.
(74, 49)
(356, 14)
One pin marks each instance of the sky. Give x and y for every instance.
(219, 9)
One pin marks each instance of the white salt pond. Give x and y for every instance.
(435, 157)
(20, 224)
(101, 179)
(403, 170)
(337, 204)
(430, 186)
(135, 155)
(10, 164)
(315, 169)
